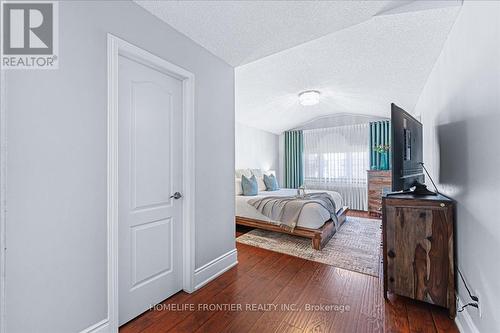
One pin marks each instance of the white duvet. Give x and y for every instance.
(312, 216)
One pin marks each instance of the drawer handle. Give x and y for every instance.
(391, 254)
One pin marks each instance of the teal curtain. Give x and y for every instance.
(380, 134)
(294, 159)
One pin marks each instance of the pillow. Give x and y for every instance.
(241, 172)
(260, 179)
(271, 183)
(238, 190)
(249, 185)
(270, 172)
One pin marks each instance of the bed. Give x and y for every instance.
(314, 220)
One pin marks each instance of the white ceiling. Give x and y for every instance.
(361, 55)
(243, 31)
(358, 70)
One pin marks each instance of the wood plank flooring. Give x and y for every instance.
(290, 287)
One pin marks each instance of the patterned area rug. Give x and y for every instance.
(356, 246)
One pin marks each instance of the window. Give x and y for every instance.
(337, 159)
(337, 167)
(312, 160)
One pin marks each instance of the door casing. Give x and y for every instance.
(116, 47)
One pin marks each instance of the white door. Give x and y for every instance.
(149, 171)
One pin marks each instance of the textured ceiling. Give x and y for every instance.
(243, 31)
(361, 55)
(359, 70)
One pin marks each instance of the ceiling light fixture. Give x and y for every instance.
(309, 97)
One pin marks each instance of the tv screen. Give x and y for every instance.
(407, 152)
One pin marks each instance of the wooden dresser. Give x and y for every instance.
(418, 248)
(379, 182)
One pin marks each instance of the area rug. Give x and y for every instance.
(356, 246)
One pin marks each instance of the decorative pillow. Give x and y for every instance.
(238, 190)
(260, 179)
(270, 172)
(241, 172)
(271, 183)
(249, 185)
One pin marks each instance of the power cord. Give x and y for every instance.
(474, 304)
(468, 304)
(472, 297)
(428, 175)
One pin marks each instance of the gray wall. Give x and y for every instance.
(460, 109)
(56, 185)
(256, 148)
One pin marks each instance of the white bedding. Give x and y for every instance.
(312, 216)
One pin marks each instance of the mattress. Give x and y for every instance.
(312, 216)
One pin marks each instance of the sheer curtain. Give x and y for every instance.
(336, 159)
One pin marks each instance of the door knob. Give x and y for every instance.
(176, 196)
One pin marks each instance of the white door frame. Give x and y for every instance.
(117, 47)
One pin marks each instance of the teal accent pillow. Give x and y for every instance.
(249, 185)
(271, 183)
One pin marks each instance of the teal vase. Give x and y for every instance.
(384, 163)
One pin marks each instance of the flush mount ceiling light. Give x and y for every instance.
(309, 97)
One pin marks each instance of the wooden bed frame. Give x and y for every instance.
(319, 236)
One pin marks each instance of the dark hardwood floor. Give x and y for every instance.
(289, 287)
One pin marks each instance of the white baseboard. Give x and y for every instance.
(214, 268)
(100, 327)
(202, 276)
(464, 321)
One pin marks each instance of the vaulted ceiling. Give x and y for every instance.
(243, 31)
(361, 55)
